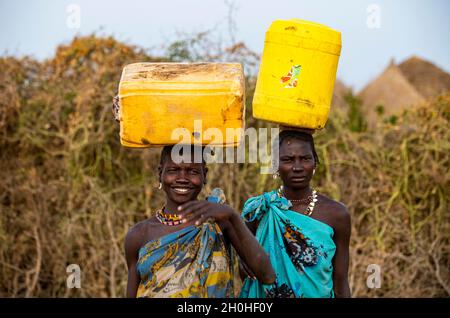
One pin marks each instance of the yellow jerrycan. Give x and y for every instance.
(297, 74)
(159, 103)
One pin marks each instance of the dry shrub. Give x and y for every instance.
(395, 182)
(69, 191)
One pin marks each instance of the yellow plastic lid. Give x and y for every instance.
(308, 30)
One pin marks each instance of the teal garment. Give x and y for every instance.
(301, 250)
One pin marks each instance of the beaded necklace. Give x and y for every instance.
(167, 218)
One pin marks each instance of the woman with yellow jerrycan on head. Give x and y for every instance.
(305, 233)
(187, 248)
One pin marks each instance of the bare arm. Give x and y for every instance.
(342, 233)
(131, 254)
(252, 226)
(243, 268)
(255, 260)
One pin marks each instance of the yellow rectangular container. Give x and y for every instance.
(297, 74)
(157, 98)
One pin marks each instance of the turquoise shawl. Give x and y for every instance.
(301, 250)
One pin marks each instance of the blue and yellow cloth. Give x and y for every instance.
(193, 262)
(301, 250)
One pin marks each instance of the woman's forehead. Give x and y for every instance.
(295, 146)
(183, 164)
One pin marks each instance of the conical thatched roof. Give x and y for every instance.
(402, 86)
(428, 79)
(391, 91)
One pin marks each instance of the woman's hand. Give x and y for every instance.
(257, 262)
(200, 211)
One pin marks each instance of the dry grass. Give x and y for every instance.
(69, 191)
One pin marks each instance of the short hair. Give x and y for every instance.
(300, 135)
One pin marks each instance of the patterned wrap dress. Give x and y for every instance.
(194, 262)
(301, 250)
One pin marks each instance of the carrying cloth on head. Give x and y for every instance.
(193, 262)
(301, 250)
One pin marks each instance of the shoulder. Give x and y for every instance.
(136, 235)
(138, 229)
(336, 210)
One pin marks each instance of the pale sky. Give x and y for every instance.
(414, 27)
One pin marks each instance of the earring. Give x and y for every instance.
(314, 171)
(275, 175)
(160, 186)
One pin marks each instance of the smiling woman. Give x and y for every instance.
(187, 248)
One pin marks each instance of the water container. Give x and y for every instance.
(297, 74)
(156, 98)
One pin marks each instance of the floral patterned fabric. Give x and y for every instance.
(194, 262)
(301, 250)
